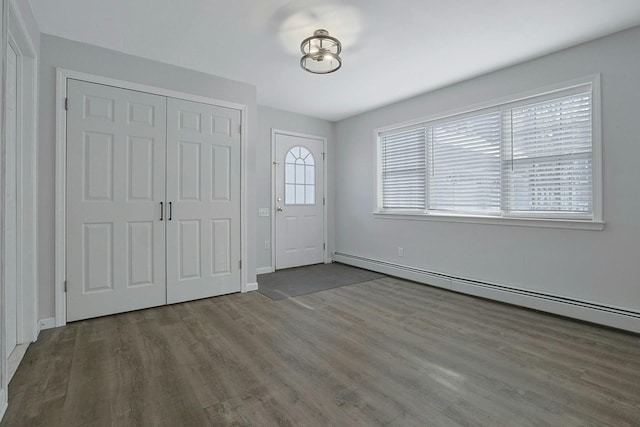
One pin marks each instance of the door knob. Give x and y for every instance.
(279, 209)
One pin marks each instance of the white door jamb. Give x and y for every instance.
(13, 30)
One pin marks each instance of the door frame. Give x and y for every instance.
(26, 176)
(325, 231)
(14, 32)
(62, 75)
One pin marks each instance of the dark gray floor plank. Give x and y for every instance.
(383, 352)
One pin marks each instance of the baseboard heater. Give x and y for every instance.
(616, 317)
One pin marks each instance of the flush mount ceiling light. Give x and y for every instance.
(321, 53)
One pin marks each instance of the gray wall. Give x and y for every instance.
(58, 52)
(598, 266)
(270, 118)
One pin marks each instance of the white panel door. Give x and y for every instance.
(299, 201)
(10, 202)
(203, 195)
(116, 154)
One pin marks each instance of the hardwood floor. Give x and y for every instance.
(385, 352)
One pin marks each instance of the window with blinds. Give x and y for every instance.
(526, 158)
(403, 169)
(464, 165)
(548, 166)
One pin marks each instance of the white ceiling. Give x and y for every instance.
(391, 49)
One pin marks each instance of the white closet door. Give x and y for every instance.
(203, 189)
(116, 154)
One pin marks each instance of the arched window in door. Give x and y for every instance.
(299, 177)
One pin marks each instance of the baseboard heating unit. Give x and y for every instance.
(616, 317)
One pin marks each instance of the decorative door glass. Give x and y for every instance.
(299, 177)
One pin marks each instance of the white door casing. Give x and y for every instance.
(203, 189)
(3, 333)
(116, 150)
(10, 231)
(299, 200)
(18, 301)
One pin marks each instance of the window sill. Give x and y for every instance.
(475, 219)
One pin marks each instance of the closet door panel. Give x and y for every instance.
(203, 187)
(116, 163)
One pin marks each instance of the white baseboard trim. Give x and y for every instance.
(264, 270)
(15, 358)
(252, 287)
(3, 403)
(616, 317)
(48, 323)
(36, 331)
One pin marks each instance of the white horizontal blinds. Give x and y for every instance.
(529, 157)
(465, 165)
(403, 169)
(548, 167)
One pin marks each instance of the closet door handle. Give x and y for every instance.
(170, 211)
(161, 211)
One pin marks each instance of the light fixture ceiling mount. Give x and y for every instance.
(321, 53)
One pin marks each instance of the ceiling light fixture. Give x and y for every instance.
(321, 53)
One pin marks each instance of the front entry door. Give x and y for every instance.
(299, 163)
(116, 148)
(203, 189)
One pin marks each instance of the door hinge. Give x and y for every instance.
(65, 286)
(240, 264)
(240, 129)
(324, 246)
(323, 156)
(66, 104)
(324, 202)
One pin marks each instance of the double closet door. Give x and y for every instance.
(153, 200)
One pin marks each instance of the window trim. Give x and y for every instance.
(596, 222)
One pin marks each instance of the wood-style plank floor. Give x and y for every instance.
(384, 352)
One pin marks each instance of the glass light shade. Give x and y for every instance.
(321, 53)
